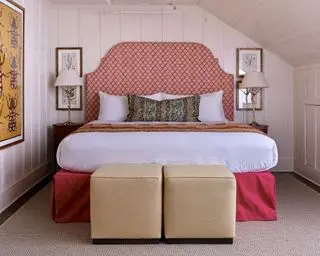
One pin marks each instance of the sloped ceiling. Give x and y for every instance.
(290, 28)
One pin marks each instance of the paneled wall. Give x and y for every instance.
(97, 29)
(22, 165)
(307, 122)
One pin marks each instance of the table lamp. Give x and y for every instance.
(253, 82)
(68, 80)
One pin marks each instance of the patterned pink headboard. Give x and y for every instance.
(144, 68)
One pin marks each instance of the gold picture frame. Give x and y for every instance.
(12, 43)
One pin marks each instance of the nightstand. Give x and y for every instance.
(60, 131)
(261, 127)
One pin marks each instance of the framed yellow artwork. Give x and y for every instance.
(12, 36)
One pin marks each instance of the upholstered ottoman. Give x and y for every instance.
(199, 204)
(126, 203)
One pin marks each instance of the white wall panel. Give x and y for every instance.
(310, 136)
(19, 164)
(173, 27)
(101, 29)
(68, 23)
(131, 27)
(307, 122)
(317, 138)
(213, 29)
(152, 28)
(110, 31)
(193, 25)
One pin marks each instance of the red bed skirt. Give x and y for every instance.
(70, 198)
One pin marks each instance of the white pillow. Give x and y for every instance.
(156, 96)
(211, 108)
(115, 108)
(166, 96)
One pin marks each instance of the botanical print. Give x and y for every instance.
(11, 73)
(69, 59)
(65, 98)
(249, 62)
(245, 100)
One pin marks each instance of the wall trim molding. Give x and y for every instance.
(282, 171)
(14, 197)
(306, 181)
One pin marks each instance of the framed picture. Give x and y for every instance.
(244, 99)
(69, 58)
(12, 31)
(249, 59)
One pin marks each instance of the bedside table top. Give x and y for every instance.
(259, 126)
(68, 125)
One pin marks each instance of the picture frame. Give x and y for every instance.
(249, 59)
(12, 58)
(243, 100)
(69, 58)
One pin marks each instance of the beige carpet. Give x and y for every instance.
(297, 232)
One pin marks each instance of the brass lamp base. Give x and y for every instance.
(68, 123)
(256, 125)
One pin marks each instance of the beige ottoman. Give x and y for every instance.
(126, 203)
(199, 204)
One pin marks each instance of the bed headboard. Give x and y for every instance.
(144, 68)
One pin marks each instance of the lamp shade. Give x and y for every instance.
(253, 80)
(68, 78)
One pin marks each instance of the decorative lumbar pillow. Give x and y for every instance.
(156, 96)
(166, 96)
(211, 108)
(178, 110)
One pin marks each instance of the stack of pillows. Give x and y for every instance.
(162, 107)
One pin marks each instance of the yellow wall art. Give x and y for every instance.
(11, 73)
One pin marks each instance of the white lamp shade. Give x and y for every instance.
(253, 80)
(68, 78)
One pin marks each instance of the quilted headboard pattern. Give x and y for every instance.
(144, 68)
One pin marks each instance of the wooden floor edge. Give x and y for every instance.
(24, 198)
(309, 183)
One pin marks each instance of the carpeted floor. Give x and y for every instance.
(297, 232)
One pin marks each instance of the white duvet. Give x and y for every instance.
(240, 152)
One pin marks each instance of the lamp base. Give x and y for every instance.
(255, 124)
(68, 123)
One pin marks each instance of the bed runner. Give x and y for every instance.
(167, 127)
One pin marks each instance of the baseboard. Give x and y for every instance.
(281, 171)
(16, 196)
(285, 164)
(306, 181)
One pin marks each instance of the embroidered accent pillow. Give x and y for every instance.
(176, 110)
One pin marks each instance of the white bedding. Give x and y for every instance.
(240, 152)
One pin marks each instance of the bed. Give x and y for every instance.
(143, 68)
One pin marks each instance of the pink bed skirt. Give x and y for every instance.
(70, 198)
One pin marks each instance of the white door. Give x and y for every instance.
(307, 122)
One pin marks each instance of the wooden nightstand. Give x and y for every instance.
(261, 127)
(60, 131)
